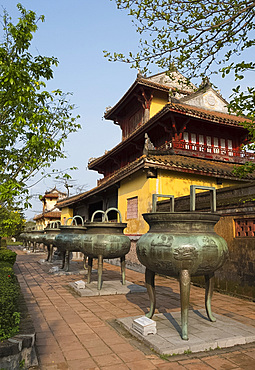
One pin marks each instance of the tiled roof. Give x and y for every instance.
(207, 114)
(147, 82)
(74, 199)
(171, 162)
(144, 82)
(50, 214)
(104, 183)
(188, 110)
(50, 195)
(196, 165)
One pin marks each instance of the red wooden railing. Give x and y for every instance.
(213, 150)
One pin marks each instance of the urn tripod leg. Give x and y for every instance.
(150, 286)
(84, 261)
(50, 253)
(123, 269)
(63, 259)
(209, 285)
(67, 261)
(99, 272)
(90, 264)
(184, 293)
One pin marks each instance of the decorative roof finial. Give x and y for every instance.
(139, 74)
(147, 144)
(205, 82)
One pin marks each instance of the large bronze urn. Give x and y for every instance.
(23, 237)
(49, 236)
(182, 244)
(36, 237)
(69, 239)
(105, 240)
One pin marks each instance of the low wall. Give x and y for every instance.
(237, 276)
(238, 273)
(19, 352)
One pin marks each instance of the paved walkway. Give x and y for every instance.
(74, 332)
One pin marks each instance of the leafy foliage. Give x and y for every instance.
(9, 295)
(197, 37)
(34, 122)
(11, 221)
(8, 256)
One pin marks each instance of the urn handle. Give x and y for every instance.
(70, 218)
(73, 220)
(105, 218)
(155, 198)
(55, 224)
(113, 209)
(193, 196)
(80, 218)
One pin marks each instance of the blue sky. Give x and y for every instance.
(77, 32)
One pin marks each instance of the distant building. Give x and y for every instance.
(50, 211)
(173, 136)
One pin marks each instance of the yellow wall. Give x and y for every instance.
(136, 185)
(167, 182)
(43, 222)
(158, 102)
(40, 224)
(65, 214)
(178, 183)
(49, 204)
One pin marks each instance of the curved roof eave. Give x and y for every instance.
(143, 82)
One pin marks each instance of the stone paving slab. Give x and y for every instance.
(204, 335)
(74, 268)
(37, 252)
(108, 288)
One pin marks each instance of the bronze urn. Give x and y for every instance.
(105, 240)
(49, 236)
(36, 237)
(182, 244)
(69, 239)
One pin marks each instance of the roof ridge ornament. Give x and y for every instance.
(205, 83)
(140, 75)
(148, 145)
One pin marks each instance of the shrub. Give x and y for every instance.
(9, 296)
(3, 243)
(7, 256)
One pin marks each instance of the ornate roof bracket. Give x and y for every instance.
(178, 135)
(138, 147)
(115, 160)
(147, 102)
(183, 128)
(175, 134)
(151, 172)
(166, 128)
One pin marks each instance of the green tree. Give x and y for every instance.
(199, 38)
(11, 222)
(34, 122)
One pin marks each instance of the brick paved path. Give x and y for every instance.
(76, 333)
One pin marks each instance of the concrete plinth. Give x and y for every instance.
(204, 335)
(108, 288)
